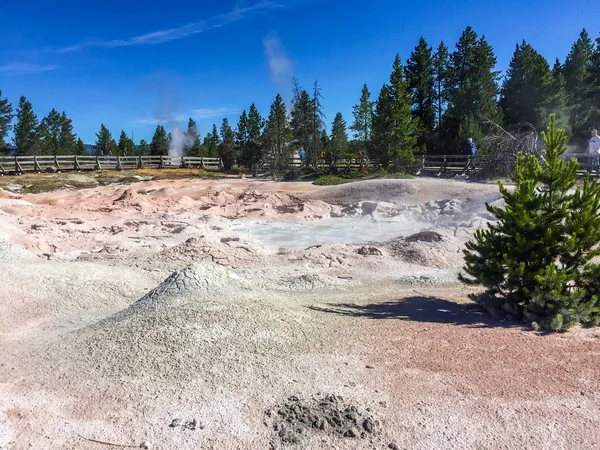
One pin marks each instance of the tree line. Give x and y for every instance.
(432, 103)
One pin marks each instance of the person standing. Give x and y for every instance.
(594, 149)
(470, 148)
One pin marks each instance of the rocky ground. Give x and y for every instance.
(139, 315)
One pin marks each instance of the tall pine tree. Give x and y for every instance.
(6, 115)
(226, 146)
(241, 140)
(192, 145)
(337, 147)
(473, 90)
(278, 136)
(363, 121)
(26, 138)
(441, 70)
(159, 146)
(420, 74)
(577, 72)
(255, 137)
(104, 141)
(526, 89)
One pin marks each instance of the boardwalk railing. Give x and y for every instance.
(443, 165)
(43, 163)
(447, 165)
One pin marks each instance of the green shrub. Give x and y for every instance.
(538, 259)
(330, 180)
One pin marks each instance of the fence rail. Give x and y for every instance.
(44, 163)
(447, 165)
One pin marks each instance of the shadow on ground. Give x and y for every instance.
(420, 309)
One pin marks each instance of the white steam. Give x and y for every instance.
(281, 68)
(179, 140)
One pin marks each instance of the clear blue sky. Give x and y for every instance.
(131, 65)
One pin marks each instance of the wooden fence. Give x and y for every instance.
(44, 163)
(448, 165)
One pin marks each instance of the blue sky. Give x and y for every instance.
(131, 65)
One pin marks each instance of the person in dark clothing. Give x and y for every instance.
(470, 148)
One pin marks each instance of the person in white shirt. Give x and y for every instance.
(594, 147)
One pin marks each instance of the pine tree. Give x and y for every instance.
(144, 148)
(103, 141)
(557, 102)
(241, 141)
(363, 121)
(593, 82)
(79, 148)
(226, 146)
(67, 139)
(316, 125)
(337, 147)
(383, 125)
(526, 88)
(577, 72)
(442, 75)
(192, 146)
(473, 89)
(420, 77)
(6, 115)
(25, 138)
(211, 143)
(159, 146)
(301, 116)
(278, 136)
(49, 131)
(255, 137)
(404, 126)
(126, 145)
(537, 260)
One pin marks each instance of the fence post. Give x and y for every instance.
(160, 164)
(140, 162)
(36, 166)
(182, 162)
(76, 165)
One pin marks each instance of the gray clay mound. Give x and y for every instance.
(402, 192)
(295, 420)
(11, 253)
(300, 283)
(196, 284)
(427, 248)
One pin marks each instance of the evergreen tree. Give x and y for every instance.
(79, 148)
(278, 136)
(442, 75)
(337, 147)
(159, 146)
(526, 89)
(211, 143)
(66, 137)
(192, 146)
(301, 116)
(420, 75)
(126, 146)
(473, 89)
(26, 138)
(144, 148)
(49, 134)
(226, 146)
(593, 118)
(6, 115)
(103, 141)
(255, 137)
(557, 102)
(404, 126)
(383, 126)
(241, 141)
(537, 261)
(316, 125)
(577, 72)
(363, 121)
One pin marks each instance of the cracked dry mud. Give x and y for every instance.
(241, 314)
